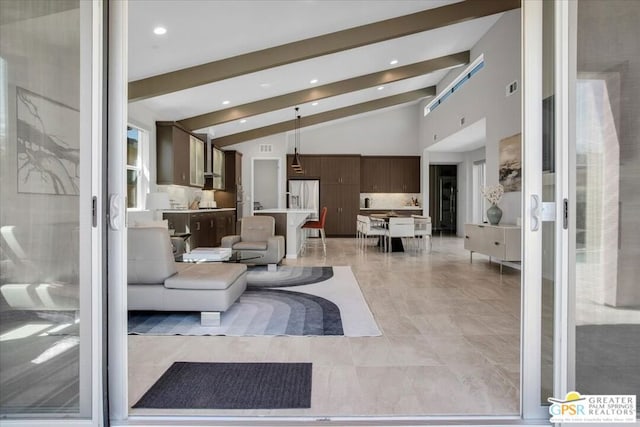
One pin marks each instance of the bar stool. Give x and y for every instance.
(317, 225)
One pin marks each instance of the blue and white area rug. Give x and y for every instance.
(297, 301)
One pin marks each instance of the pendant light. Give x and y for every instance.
(296, 165)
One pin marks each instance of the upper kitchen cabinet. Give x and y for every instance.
(311, 167)
(232, 194)
(218, 168)
(180, 156)
(374, 175)
(390, 174)
(196, 165)
(340, 170)
(404, 174)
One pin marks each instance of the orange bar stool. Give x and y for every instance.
(318, 225)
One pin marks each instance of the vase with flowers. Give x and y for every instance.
(493, 194)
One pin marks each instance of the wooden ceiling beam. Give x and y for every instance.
(325, 91)
(327, 116)
(313, 47)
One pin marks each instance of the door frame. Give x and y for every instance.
(532, 412)
(564, 43)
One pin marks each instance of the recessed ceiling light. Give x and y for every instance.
(265, 85)
(314, 81)
(393, 62)
(159, 31)
(380, 87)
(314, 104)
(225, 102)
(243, 121)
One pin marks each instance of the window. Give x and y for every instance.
(137, 168)
(456, 84)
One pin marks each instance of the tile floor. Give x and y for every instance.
(450, 341)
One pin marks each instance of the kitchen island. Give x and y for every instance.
(289, 224)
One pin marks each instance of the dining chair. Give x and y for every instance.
(400, 227)
(368, 229)
(317, 225)
(422, 230)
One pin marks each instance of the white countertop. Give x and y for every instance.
(197, 210)
(404, 208)
(284, 211)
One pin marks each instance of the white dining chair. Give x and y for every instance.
(422, 227)
(400, 227)
(369, 229)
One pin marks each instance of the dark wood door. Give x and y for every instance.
(181, 157)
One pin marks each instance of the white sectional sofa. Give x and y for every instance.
(157, 282)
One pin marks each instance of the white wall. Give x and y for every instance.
(251, 150)
(390, 131)
(483, 97)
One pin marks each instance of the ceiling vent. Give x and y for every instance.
(266, 148)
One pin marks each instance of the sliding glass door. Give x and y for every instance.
(606, 305)
(50, 256)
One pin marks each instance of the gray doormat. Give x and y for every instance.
(195, 385)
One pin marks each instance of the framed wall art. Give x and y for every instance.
(48, 145)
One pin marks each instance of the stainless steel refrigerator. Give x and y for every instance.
(304, 194)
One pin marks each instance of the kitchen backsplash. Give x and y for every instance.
(180, 197)
(390, 200)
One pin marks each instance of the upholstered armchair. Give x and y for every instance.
(257, 242)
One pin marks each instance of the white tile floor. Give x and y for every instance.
(450, 341)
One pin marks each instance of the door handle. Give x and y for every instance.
(535, 212)
(116, 212)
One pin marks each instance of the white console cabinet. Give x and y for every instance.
(496, 241)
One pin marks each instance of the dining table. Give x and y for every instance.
(396, 242)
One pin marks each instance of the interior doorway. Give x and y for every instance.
(443, 183)
(265, 192)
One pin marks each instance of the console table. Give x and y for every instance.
(497, 241)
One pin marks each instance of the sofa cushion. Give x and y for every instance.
(250, 246)
(257, 228)
(206, 276)
(149, 256)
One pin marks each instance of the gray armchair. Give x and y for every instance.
(257, 241)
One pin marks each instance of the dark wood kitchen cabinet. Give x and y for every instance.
(404, 175)
(374, 175)
(342, 170)
(311, 167)
(390, 174)
(343, 205)
(207, 228)
(173, 154)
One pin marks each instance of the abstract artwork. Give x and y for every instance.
(48, 149)
(511, 163)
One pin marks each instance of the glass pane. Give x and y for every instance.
(133, 144)
(608, 198)
(548, 195)
(132, 188)
(40, 153)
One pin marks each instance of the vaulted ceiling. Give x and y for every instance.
(237, 69)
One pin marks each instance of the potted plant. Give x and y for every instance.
(493, 193)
